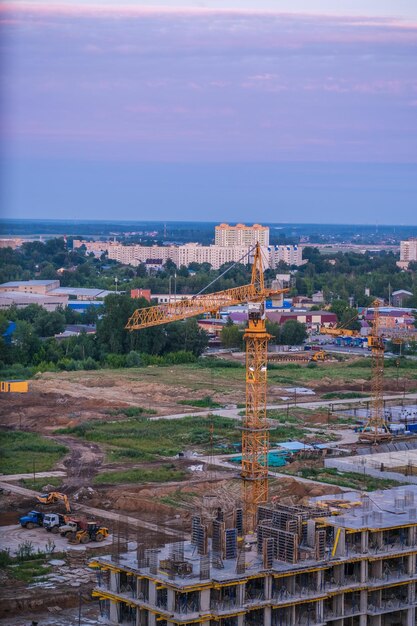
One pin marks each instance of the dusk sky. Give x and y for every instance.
(274, 110)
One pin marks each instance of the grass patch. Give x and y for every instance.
(344, 479)
(206, 402)
(22, 452)
(282, 418)
(29, 483)
(163, 474)
(336, 395)
(178, 498)
(143, 439)
(29, 571)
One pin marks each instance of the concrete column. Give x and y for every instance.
(204, 600)
(363, 602)
(364, 541)
(114, 613)
(364, 571)
(114, 582)
(267, 616)
(152, 619)
(320, 580)
(170, 600)
(411, 592)
(339, 574)
(411, 564)
(411, 616)
(411, 539)
(152, 593)
(339, 604)
(268, 587)
(240, 620)
(341, 544)
(240, 594)
(319, 611)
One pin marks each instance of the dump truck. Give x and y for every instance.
(32, 519)
(53, 521)
(91, 532)
(71, 527)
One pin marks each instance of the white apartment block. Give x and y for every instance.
(408, 252)
(180, 255)
(289, 254)
(241, 235)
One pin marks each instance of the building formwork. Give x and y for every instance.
(346, 560)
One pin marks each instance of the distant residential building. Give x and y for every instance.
(408, 252)
(141, 293)
(96, 247)
(241, 235)
(29, 286)
(288, 254)
(311, 319)
(399, 297)
(318, 297)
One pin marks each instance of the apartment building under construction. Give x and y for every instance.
(345, 560)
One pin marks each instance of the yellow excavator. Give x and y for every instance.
(52, 497)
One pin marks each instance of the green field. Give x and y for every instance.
(352, 480)
(162, 474)
(23, 453)
(140, 439)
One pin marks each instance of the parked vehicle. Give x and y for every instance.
(92, 532)
(52, 497)
(32, 519)
(71, 527)
(53, 521)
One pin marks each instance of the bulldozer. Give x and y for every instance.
(91, 532)
(52, 497)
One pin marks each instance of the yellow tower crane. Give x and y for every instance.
(255, 432)
(376, 429)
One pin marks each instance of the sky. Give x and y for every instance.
(274, 110)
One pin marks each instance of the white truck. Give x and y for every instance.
(53, 522)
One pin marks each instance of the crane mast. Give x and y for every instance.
(376, 428)
(255, 431)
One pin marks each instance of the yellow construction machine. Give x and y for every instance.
(90, 532)
(320, 355)
(52, 497)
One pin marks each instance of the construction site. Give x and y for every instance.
(172, 517)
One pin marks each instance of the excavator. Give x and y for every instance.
(52, 497)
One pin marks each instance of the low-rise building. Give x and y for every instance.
(400, 297)
(30, 286)
(21, 300)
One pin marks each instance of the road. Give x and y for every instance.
(302, 403)
(50, 474)
(223, 461)
(102, 513)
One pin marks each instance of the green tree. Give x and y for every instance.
(231, 336)
(293, 333)
(25, 342)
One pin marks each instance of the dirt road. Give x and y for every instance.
(100, 513)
